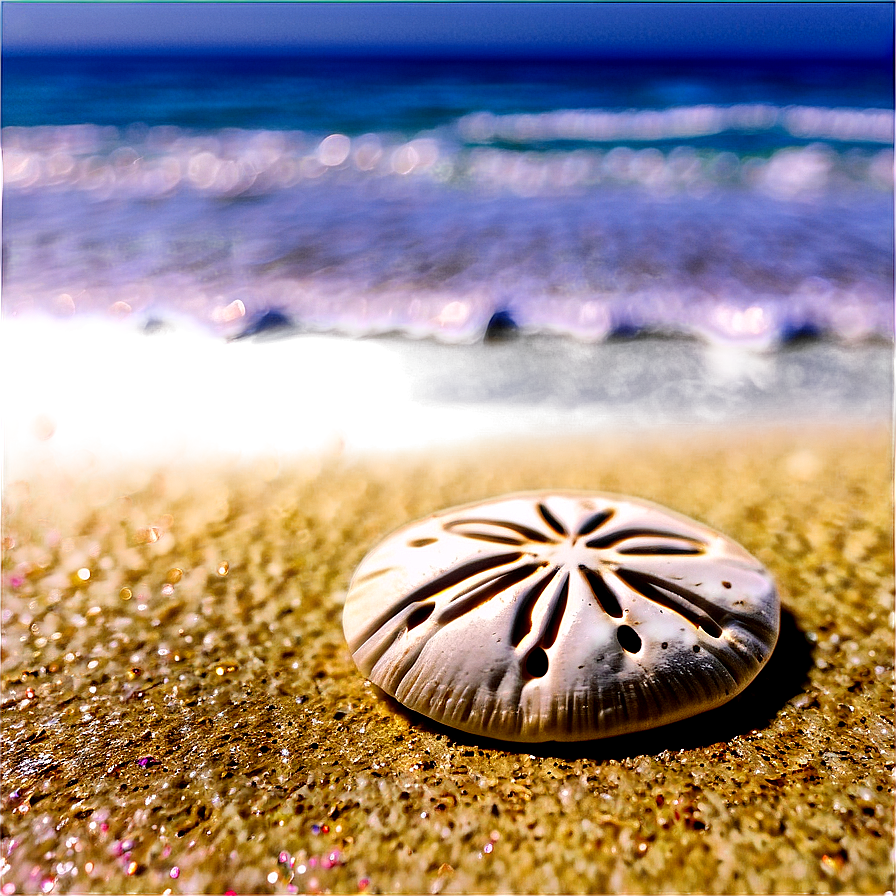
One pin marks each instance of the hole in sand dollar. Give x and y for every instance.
(536, 665)
(628, 639)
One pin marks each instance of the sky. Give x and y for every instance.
(819, 30)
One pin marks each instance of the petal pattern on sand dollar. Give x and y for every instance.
(560, 616)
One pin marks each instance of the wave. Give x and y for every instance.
(491, 219)
(736, 321)
(601, 126)
(518, 152)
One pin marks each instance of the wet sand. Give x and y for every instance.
(181, 713)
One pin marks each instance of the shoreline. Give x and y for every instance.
(105, 395)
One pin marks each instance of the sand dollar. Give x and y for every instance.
(560, 616)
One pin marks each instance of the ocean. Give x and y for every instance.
(734, 219)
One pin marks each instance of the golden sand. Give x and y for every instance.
(181, 713)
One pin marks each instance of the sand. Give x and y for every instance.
(181, 713)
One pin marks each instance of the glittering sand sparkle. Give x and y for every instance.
(169, 729)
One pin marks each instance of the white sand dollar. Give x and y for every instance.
(560, 616)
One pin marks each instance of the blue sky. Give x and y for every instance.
(822, 30)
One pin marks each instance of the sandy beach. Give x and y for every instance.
(280, 279)
(182, 715)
